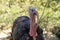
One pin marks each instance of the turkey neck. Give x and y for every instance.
(33, 32)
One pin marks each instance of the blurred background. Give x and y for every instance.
(49, 16)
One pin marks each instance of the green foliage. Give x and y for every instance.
(49, 10)
(56, 31)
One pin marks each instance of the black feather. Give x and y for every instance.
(21, 27)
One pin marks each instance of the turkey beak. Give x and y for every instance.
(36, 13)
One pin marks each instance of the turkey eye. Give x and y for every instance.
(32, 10)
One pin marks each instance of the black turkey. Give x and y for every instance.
(23, 26)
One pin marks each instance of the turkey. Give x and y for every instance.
(26, 28)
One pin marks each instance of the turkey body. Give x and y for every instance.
(21, 27)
